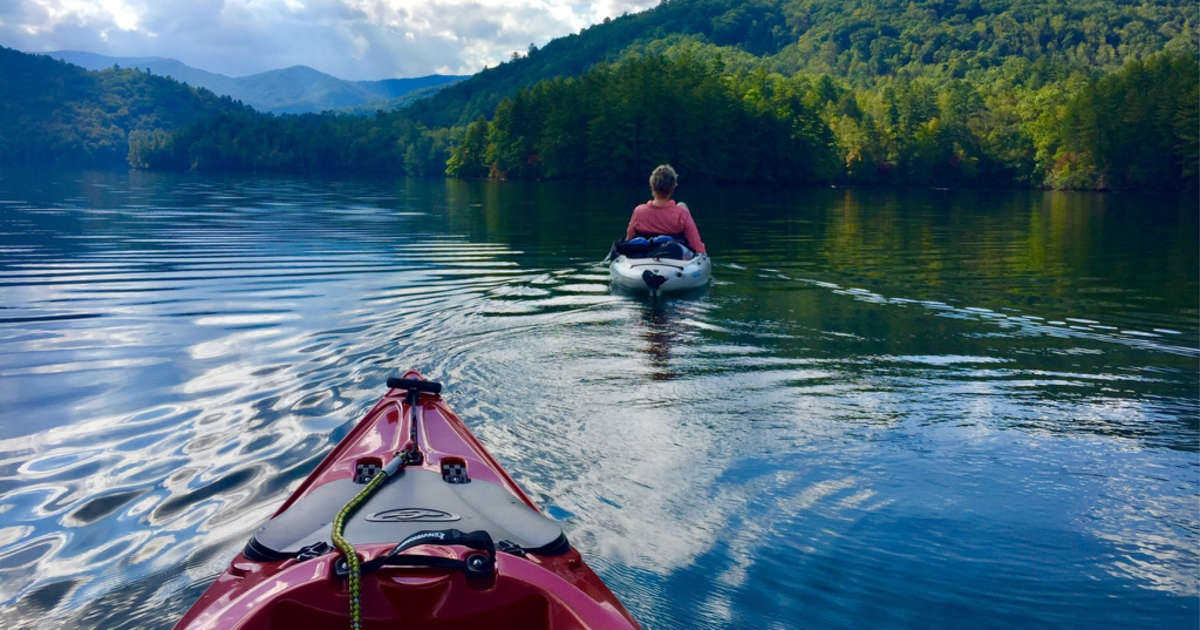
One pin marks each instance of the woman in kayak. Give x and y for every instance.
(662, 216)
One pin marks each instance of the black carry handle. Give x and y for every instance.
(429, 387)
(475, 565)
(478, 539)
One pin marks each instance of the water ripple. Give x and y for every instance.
(928, 425)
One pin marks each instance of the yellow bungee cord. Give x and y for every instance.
(347, 549)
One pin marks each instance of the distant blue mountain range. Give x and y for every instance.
(294, 90)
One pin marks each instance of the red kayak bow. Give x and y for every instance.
(443, 538)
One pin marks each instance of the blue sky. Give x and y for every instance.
(352, 39)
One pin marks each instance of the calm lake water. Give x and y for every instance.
(918, 409)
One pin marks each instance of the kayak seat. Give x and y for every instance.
(658, 247)
(410, 502)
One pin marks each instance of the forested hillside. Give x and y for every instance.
(1087, 94)
(305, 143)
(622, 120)
(916, 93)
(56, 113)
(1135, 128)
(859, 41)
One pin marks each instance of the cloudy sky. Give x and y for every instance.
(352, 39)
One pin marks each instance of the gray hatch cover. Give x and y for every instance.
(413, 501)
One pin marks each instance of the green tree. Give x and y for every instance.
(467, 157)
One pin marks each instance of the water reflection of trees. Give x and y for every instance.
(974, 246)
(549, 217)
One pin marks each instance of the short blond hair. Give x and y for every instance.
(663, 179)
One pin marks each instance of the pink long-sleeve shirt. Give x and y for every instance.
(670, 219)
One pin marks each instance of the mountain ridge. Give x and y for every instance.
(295, 89)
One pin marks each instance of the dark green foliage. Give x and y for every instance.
(756, 26)
(927, 92)
(469, 156)
(55, 113)
(619, 121)
(1134, 129)
(1033, 42)
(944, 39)
(387, 143)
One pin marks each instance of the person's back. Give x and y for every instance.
(662, 216)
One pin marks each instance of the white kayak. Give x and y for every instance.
(660, 275)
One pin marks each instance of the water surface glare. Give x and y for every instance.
(918, 409)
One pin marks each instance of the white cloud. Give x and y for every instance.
(353, 39)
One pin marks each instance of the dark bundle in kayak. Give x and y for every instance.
(408, 523)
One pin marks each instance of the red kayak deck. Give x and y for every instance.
(546, 586)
